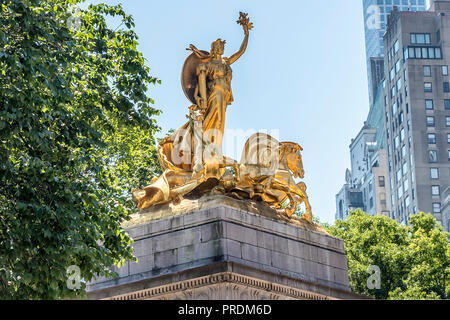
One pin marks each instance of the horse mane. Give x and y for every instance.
(289, 147)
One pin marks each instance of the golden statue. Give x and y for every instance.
(192, 158)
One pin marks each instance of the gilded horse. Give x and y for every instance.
(268, 170)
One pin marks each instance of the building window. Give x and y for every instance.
(448, 155)
(427, 71)
(394, 108)
(448, 138)
(438, 52)
(432, 156)
(420, 38)
(445, 70)
(392, 74)
(430, 122)
(428, 87)
(431, 138)
(436, 207)
(423, 53)
(446, 87)
(397, 142)
(447, 104)
(383, 199)
(407, 202)
(381, 181)
(434, 173)
(447, 121)
(429, 105)
(399, 85)
(396, 46)
(398, 65)
(435, 190)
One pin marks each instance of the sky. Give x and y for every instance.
(303, 76)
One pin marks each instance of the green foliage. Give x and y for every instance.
(414, 260)
(76, 132)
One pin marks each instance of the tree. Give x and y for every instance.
(429, 260)
(412, 261)
(76, 132)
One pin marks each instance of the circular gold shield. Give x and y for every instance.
(189, 78)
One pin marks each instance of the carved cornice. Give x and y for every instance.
(226, 278)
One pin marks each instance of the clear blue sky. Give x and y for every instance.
(304, 74)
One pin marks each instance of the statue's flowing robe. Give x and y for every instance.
(177, 152)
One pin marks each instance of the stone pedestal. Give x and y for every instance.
(221, 248)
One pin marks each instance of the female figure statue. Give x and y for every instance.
(206, 81)
(213, 93)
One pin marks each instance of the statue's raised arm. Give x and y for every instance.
(244, 21)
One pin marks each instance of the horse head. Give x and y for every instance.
(291, 153)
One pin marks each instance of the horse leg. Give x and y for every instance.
(292, 202)
(308, 215)
(292, 205)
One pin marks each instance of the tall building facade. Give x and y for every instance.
(375, 19)
(367, 182)
(366, 185)
(417, 110)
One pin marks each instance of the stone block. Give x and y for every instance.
(202, 216)
(176, 239)
(249, 252)
(298, 249)
(123, 271)
(233, 248)
(186, 254)
(291, 231)
(144, 264)
(264, 256)
(137, 232)
(303, 235)
(160, 226)
(177, 222)
(241, 233)
(280, 244)
(324, 256)
(341, 276)
(265, 240)
(165, 259)
(314, 251)
(280, 260)
(213, 248)
(198, 251)
(338, 260)
(212, 231)
(143, 247)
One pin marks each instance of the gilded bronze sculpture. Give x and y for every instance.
(192, 158)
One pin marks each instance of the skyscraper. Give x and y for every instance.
(367, 184)
(417, 111)
(375, 19)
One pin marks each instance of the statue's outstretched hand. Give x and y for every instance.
(244, 21)
(247, 27)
